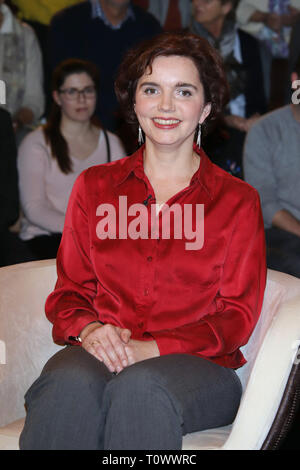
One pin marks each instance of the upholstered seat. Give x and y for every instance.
(270, 379)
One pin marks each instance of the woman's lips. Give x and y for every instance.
(164, 123)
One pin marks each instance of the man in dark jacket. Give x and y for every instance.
(101, 31)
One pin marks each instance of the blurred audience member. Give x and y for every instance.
(172, 14)
(9, 207)
(272, 166)
(215, 21)
(52, 156)
(38, 14)
(270, 22)
(22, 71)
(101, 31)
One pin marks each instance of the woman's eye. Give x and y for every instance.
(150, 91)
(71, 91)
(184, 93)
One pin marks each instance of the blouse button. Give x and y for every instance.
(149, 258)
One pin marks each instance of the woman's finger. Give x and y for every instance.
(115, 337)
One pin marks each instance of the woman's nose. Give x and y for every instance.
(81, 95)
(166, 102)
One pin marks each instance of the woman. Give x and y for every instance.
(160, 323)
(52, 156)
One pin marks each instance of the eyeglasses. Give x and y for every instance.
(74, 93)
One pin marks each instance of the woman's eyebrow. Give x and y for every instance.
(148, 84)
(177, 85)
(185, 85)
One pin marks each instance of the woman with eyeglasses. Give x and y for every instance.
(52, 156)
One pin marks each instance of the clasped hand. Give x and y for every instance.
(114, 347)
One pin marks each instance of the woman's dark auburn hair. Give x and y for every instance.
(52, 133)
(205, 57)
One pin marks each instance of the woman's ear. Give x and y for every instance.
(205, 113)
(56, 97)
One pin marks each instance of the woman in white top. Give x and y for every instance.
(51, 157)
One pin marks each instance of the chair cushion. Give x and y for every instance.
(211, 439)
(204, 440)
(9, 435)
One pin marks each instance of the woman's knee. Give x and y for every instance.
(141, 383)
(70, 372)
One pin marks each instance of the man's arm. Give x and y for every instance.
(259, 149)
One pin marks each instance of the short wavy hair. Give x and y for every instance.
(205, 57)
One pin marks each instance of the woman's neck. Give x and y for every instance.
(163, 163)
(75, 130)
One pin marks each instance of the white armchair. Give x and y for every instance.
(270, 379)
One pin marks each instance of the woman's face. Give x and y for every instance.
(169, 102)
(77, 97)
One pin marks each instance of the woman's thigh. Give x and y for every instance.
(202, 394)
(64, 405)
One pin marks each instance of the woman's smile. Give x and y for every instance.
(166, 123)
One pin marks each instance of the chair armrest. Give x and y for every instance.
(267, 381)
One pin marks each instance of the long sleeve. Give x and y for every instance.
(33, 162)
(240, 296)
(259, 170)
(70, 306)
(246, 8)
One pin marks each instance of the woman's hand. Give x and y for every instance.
(107, 343)
(140, 350)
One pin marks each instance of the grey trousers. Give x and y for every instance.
(77, 403)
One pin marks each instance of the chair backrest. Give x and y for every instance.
(25, 331)
(280, 288)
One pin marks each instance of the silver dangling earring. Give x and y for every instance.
(140, 136)
(199, 136)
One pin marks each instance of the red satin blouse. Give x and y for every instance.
(203, 301)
